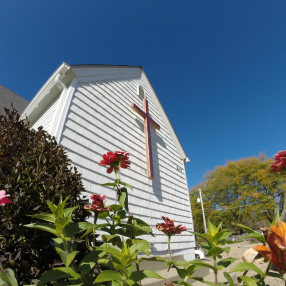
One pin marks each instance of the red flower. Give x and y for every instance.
(97, 204)
(279, 163)
(3, 199)
(114, 159)
(169, 228)
(276, 239)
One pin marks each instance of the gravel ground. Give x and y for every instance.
(237, 250)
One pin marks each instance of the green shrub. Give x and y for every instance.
(33, 170)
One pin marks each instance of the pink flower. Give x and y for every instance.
(114, 159)
(3, 198)
(97, 204)
(169, 228)
(279, 163)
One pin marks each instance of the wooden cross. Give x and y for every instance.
(147, 121)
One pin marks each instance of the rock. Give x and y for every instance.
(249, 255)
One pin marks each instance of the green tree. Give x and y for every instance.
(33, 170)
(243, 191)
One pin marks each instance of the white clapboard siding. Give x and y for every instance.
(95, 116)
(46, 119)
(100, 119)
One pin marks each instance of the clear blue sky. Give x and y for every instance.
(218, 67)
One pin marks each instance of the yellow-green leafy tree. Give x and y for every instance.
(243, 191)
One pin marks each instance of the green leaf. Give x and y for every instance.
(111, 249)
(182, 272)
(46, 217)
(140, 245)
(274, 274)
(123, 198)
(182, 263)
(60, 209)
(58, 273)
(245, 228)
(108, 275)
(109, 184)
(68, 211)
(226, 249)
(88, 262)
(121, 214)
(155, 258)
(215, 251)
(229, 279)
(248, 281)
(114, 239)
(115, 207)
(256, 235)
(252, 233)
(140, 224)
(222, 235)
(71, 257)
(126, 185)
(43, 226)
(103, 215)
(198, 262)
(276, 216)
(61, 223)
(143, 274)
(212, 229)
(52, 207)
(8, 277)
(245, 266)
(75, 228)
(225, 262)
(201, 235)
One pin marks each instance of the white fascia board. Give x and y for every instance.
(63, 109)
(45, 89)
(97, 73)
(166, 120)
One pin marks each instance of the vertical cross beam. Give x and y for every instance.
(147, 122)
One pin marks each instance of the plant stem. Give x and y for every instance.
(283, 211)
(169, 247)
(215, 272)
(138, 269)
(93, 229)
(245, 272)
(85, 282)
(266, 271)
(116, 188)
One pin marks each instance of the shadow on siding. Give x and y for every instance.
(156, 139)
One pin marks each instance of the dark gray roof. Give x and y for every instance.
(7, 97)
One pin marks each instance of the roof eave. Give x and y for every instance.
(45, 89)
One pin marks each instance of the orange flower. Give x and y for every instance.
(276, 239)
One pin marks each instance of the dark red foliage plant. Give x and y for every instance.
(33, 170)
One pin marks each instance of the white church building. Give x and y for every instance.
(92, 109)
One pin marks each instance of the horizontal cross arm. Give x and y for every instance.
(138, 110)
(154, 124)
